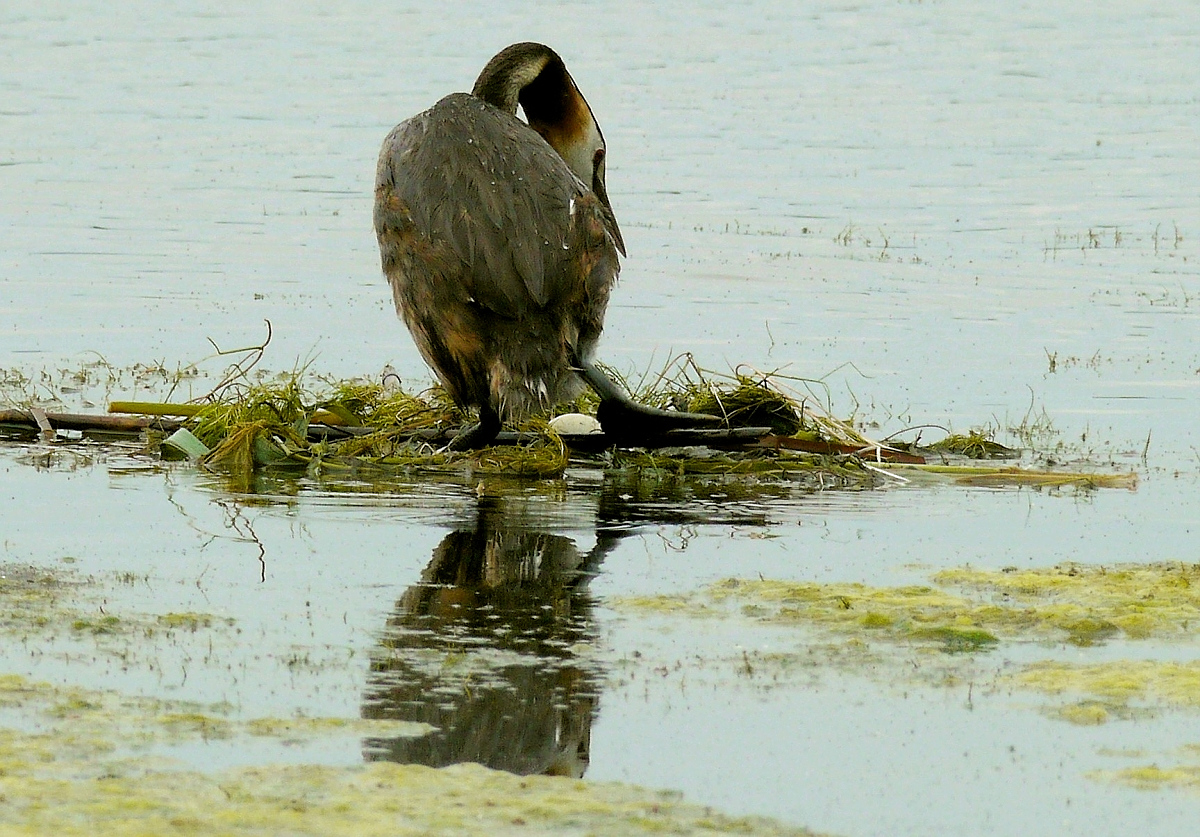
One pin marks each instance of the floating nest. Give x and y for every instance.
(773, 431)
(766, 433)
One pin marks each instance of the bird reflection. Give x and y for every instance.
(486, 649)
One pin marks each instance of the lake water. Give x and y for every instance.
(953, 214)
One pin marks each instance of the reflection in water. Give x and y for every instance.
(486, 648)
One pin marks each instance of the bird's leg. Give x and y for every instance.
(623, 418)
(478, 435)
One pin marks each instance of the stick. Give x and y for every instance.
(83, 421)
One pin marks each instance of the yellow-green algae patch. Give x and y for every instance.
(1092, 602)
(1119, 684)
(970, 609)
(83, 717)
(188, 621)
(375, 799)
(75, 761)
(306, 727)
(1153, 777)
(59, 602)
(74, 777)
(29, 597)
(1180, 775)
(916, 613)
(1084, 713)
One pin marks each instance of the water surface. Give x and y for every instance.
(953, 215)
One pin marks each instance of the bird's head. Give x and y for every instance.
(534, 76)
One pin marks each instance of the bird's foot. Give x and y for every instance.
(625, 419)
(477, 435)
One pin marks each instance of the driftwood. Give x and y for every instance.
(28, 419)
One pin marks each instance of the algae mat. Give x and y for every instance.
(46, 793)
(971, 611)
(87, 761)
(1083, 644)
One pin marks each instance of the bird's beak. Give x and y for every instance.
(614, 230)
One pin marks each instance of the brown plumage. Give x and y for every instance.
(497, 236)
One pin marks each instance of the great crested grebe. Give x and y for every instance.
(500, 244)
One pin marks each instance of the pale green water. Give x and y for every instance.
(943, 195)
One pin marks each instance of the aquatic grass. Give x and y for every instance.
(262, 423)
(279, 404)
(750, 402)
(976, 444)
(747, 396)
(364, 403)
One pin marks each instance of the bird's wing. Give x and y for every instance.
(488, 186)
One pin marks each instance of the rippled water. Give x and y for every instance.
(954, 214)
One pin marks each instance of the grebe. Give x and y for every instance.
(500, 244)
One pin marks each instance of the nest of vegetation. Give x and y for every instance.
(774, 431)
(271, 424)
(339, 425)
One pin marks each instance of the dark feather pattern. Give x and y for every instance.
(500, 258)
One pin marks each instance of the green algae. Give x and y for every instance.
(97, 625)
(65, 604)
(30, 598)
(1094, 603)
(1084, 713)
(109, 720)
(189, 621)
(1121, 684)
(77, 761)
(74, 776)
(205, 725)
(968, 609)
(374, 799)
(965, 612)
(306, 727)
(955, 640)
(1152, 777)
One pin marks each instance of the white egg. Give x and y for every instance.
(575, 424)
